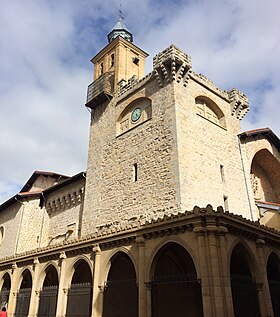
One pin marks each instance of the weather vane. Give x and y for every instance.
(120, 13)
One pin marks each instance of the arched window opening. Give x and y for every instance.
(175, 288)
(24, 294)
(5, 290)
(265, 175)
(79, 301)
(273, 276)
(121, 291)
(48, 294)
(207, 109)
(243, 287)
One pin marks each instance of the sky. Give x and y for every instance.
(45, 68)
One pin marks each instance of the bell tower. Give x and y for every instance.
(117, 62)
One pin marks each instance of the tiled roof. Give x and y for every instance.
(262, 132)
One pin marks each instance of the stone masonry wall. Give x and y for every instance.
(10, 221)
(64, 211)
(31, 226)
(112, 195)
(204, 149)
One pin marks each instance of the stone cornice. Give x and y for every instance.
(207, 220)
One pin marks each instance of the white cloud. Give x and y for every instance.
(45, 47)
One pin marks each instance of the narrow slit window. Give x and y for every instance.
(101, 68)
(226, 203)
(112, 60)
(222, 172)
(135, 172)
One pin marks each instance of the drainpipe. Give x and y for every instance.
(245, 179)
(42, 202)
(20, 224)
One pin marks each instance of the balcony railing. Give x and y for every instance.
(100, 90)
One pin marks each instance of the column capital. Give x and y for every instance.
(96, 248)
(14, 267)
(140, 240)
(222, 230)
(260, 242)
(200, 230)
(35, 262)
(62, 255)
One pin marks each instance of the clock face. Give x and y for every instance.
(136, 114)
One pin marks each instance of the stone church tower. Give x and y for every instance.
(176, 215)
(163, 143)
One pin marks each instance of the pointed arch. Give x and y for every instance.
(112, 255)
(24, 294)
(75, 264)
(175, 288)
(5, 289)
(79, 296)
(49, 292)
(121, 291)
(243, 284)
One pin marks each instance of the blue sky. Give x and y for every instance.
(45, 52)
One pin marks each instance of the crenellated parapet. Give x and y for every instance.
(239, 103)
(172, 65)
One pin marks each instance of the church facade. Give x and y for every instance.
(176, 215)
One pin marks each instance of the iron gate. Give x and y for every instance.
(23, 300)
(79, 300)
(176, 295)
(120, 298)
(244, 296)
(4, 297)
(274, 287)
(48, 300)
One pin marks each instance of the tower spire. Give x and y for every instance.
(119, 29)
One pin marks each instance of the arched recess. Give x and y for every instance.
(137, 112)
(176, 290)
(265, 175)
(5, 290)
(24, 294)
(273, 276)
(243, 285)
(48, 294)
(79, 297)
(121, 291)
(208, 109)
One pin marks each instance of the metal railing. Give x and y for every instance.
(100, 87)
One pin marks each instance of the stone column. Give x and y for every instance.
(13, 291)
(97, 290)
(217, 288)
(142, 299)
(34, 299)
(62, 288)
(263, 289)
(149, 299)
(225, 271)
(204, 273)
